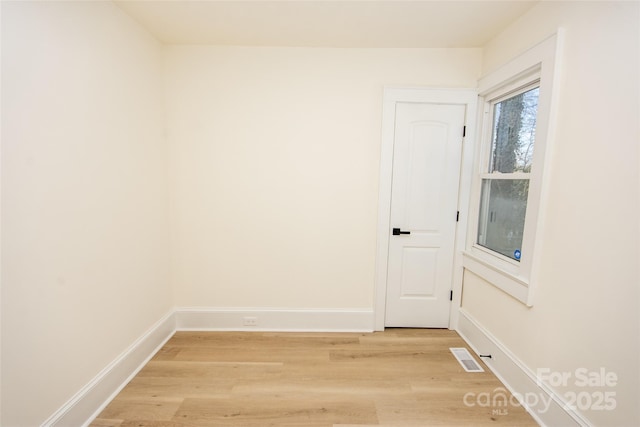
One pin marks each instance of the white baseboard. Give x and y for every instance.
(85, 405)
(545, 406)
(274, 319)
(92, 398)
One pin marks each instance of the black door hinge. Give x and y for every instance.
(464, 131)
(451, 295)
(457, 216)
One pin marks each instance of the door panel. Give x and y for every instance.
(418, 268)
(424, 198)
(425, 155)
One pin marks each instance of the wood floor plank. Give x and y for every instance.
(376, 369)
(214, 370)
(253, 354)
(262, 340)
(101, 422)
(395, 378)
(145, 409)
(167, 353)
(314, 386)
(142, 387)
(280, 411)
(154, 423)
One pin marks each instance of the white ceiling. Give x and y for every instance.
(325, 23)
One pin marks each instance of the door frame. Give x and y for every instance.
(393, 95)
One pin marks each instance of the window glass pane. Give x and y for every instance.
(514, 128)
(502, 210)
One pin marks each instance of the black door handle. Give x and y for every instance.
(397, 232)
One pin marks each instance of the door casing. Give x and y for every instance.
(393, 95)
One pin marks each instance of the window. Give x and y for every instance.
(511, 174)
(505, 181)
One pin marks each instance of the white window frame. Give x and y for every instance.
(540, 63)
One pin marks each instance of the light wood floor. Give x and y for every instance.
(400, 377)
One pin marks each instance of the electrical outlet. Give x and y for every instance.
(250, 321)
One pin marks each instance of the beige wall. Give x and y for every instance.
(585, 313)
(274, 168)
(84, 227)
(273, 181)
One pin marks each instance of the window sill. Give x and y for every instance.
(513, 285)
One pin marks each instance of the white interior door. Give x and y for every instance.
(424, 197)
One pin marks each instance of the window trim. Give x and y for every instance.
(541, 63)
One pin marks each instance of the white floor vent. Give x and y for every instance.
(466, 360)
